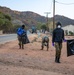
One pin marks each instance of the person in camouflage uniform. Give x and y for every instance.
(21, 33)
(45, 42)
(57, 38)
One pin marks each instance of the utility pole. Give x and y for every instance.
(53, 14)
(47, 19)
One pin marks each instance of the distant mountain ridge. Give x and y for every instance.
(30, 18)
(64, 20)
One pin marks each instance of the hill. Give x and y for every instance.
(64, 20)
(30, 18)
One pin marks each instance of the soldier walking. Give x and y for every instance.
(57, 39)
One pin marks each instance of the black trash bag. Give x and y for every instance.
(25, 40)
(70, 47)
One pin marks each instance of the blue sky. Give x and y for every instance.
(41, 6)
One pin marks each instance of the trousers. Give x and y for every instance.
(58, 47)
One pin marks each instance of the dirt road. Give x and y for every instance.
(32, 60)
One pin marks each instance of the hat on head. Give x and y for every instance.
(23, 26)
(58, 23)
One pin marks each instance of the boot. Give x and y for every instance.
(58, 60)
(22, 46)
(19, 46)
(42, 48)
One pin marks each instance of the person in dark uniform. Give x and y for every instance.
(57, 39)
(45, 42)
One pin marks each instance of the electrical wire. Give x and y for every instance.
(51, 5)
(64, 3)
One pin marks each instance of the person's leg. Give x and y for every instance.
(56, 47)
(57, 53)
(22, 46)
(42, 44)
(19, 45)
(19, 40)
(42, 47)
(47, 44)
(22, 43)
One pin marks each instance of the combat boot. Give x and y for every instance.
(58, 60)
(42, 48)
(19, 46)
(22, 46)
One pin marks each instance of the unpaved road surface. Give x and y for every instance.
(32, 60)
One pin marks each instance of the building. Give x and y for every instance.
(68, 29)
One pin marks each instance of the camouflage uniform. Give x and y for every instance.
(58, 47)
(45, 42)
(21, 33)
(21, 42)
(57, 38)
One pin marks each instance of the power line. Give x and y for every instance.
(50, 8)
(64, 3)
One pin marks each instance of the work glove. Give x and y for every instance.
(52, 44)
(65, 40)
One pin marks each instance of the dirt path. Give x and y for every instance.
(32, 60)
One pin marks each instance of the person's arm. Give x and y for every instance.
(63, 35)
(53, 36)
(24, 33)
(17, 31)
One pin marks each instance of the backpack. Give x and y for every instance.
(20, 31)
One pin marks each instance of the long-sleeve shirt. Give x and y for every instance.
(58, 35)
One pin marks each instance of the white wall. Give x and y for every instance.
(68, 28)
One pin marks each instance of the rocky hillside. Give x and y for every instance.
(30, 18)
(64, 20)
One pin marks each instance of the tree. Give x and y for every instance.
(2, 15)
(5, 22)
(7, 26)
(39, 25)
(44, 27)
(71, 33)
(7, 17)
(1, 23)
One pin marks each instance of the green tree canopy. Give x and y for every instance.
(44, 27)
(5, 22)
(7, 17)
